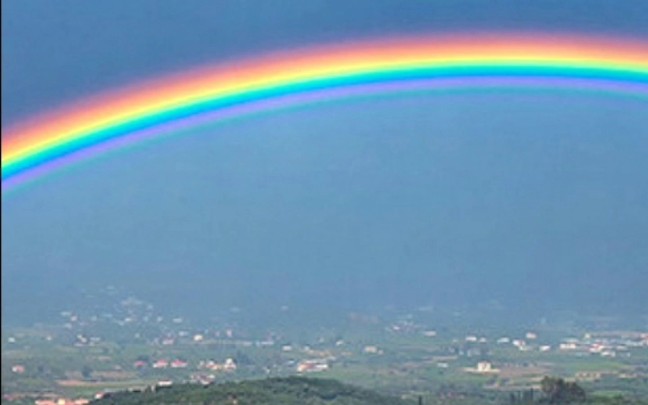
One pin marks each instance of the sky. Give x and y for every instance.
(461, 199)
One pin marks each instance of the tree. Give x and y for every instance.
(86, 372)
(559, 391)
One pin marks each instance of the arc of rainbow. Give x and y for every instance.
(35, 147)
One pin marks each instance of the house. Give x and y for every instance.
(372, 350)
(179, 364)
(483, 367)
(161, 364)
(18, 369)
(163, 384)
(312, 366)
(229, 365)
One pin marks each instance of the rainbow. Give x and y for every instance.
(207, 94)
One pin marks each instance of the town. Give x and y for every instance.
(85, 355)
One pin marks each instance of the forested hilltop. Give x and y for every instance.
(311, 391)
(272, 391)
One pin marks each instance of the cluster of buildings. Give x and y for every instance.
(320, 357)
(229, 365)
(210, 368)
(312, 365)
(608, 344)
(62, 401)
(163, 363)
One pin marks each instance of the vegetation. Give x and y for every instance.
(559, 391)
(273, 391)
(310, 391)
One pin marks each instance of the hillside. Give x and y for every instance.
(273, 391)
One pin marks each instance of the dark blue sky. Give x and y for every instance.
(54, 51)
(458, 199)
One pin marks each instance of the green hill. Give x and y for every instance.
(272, 391)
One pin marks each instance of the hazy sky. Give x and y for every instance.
(486, 197)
